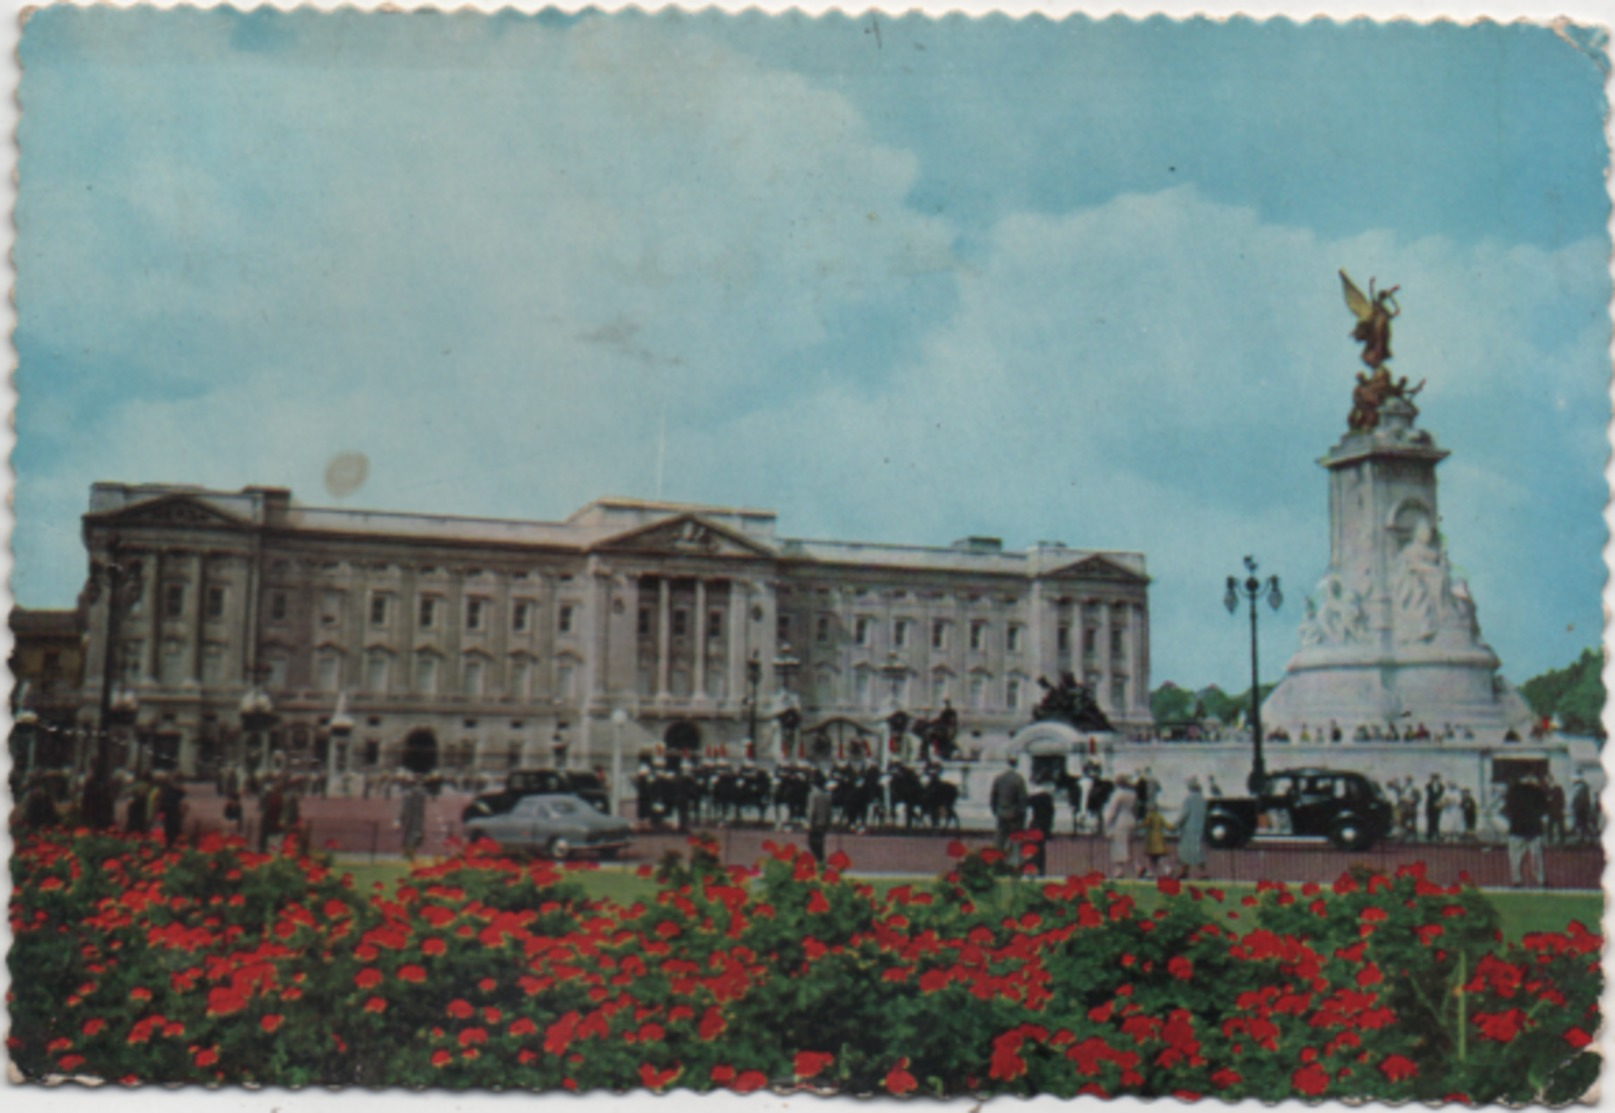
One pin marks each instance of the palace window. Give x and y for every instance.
(1012, 695)
(900, 633)
(860, 630)
(1118, 645)
(213, 665)
(428, 615)
(821, 629)
(1062, 638)
(521, 674)
(978, 690)
(473, 613)
(173, 662)
(1118, 694)
(565, 675)
(328, 672)
(860, 687)
(378, 609)
(940, 689)
(277, 606)
(426, 674)
(378, 666)
(330, 608)
(1012, 637)
(1090, 641)
(644, 622)
(681, 622)
(782, 628)
(174, 601)
(521, 614)
(714, 625)
(215, 602)
(564, 617)
(939, 634)
(472, 685)
(978, 636)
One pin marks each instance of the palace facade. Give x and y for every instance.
(234, 624)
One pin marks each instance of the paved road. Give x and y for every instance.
(366, 826)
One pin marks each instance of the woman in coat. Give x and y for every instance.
(1120, 823)
(1192, 831)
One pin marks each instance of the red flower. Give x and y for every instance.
(1170, 886)
(460, 1009)
(412, 973)
(94, 1025)
(1225, 1078)
(375, 1005)
(1575, 1037)
(433, 946)
(712, 1024)
(487, 985)
(839, 862)
(722, 1074)
(441, 1058)
(271, 1022)
(899, 1081)
(1501, 1027)
(473, 1035)
(206, 1057)
(817, 904)
(654, 1079)
(749, 1081)
(1180, 968)
(811, 1063)
(956, 849)
(1396, 1068)
(140, 995)
(523, 1026)
(1311, 1079)
(68, 1062)
(368, 978)
(805, 869)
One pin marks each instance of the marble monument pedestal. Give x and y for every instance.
(1390, 638)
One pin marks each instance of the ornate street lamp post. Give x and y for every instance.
(1253, 589)
(337, 758)
(122, 711)
(109, 575)
(257, 717)
(619, 719)
(754, 677)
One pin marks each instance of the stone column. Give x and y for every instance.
(1107, 663)
(663, 626)
(739, 624)
(699, 640)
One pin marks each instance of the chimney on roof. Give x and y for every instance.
(980, 544)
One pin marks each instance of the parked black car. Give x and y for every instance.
(539, 782)
(1348, 809)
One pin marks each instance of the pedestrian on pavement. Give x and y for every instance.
(1191, 827)
(412, 818)
(1434, 793)
(136, 817)
(1041, 805)
(1154, 842)
(1471, 810)
(270, 812)
(1556, 811)
(1581, 810)
(1119, 825)
(1009, 804)
(1526, 806)
(818, 816)
(171, 807)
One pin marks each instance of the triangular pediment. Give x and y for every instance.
(1098, 568)
(686, 535)
(169, 510)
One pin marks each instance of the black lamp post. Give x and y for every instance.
(754, 677)
(257, 717)
(109, 575)
(1252, 590)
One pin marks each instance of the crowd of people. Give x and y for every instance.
(1441, 811)
(152, 802)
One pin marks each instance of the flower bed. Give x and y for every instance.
(213, 964)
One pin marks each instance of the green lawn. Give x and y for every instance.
(1521, 912)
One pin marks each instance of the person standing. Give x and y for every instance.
(171, 807)
(818, 816)
(1119, 824)
(270, 807)
(1009, 804)
(1434, 793)
(1471, 811)
(1192, 831)
(1581, 810)
(412, 818)
(1041, 805)
(1154, 841)
(1556, 811)
(1525, 805)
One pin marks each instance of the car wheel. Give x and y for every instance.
(558, 848)
(1223, 833)
(1348, 835)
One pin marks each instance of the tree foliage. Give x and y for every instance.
(1574, 695)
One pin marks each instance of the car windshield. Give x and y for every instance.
(563, 807)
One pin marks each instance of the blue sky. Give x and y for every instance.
(902, 281)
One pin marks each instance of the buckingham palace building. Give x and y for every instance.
(236, 626)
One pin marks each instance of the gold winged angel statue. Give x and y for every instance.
(1374, 312)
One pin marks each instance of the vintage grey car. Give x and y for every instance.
(554, 825)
